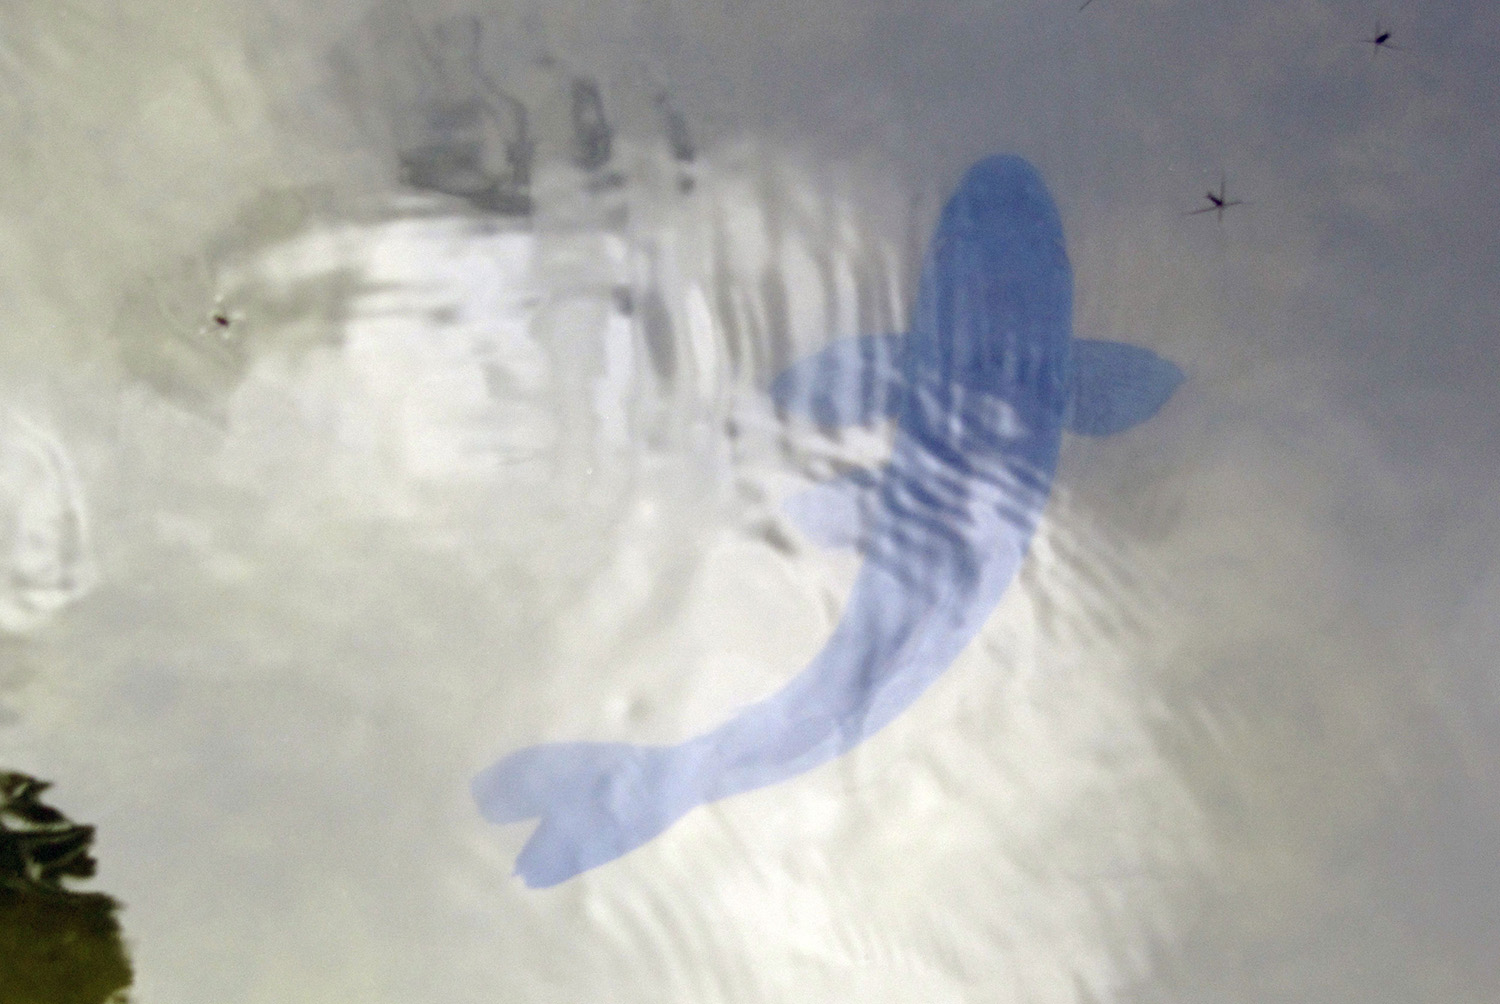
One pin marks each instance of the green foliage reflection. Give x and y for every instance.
(57, 946)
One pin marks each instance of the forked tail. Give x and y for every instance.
(596, 801)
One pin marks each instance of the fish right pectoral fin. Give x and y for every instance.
(1114, 386)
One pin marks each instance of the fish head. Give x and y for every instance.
(994, 312)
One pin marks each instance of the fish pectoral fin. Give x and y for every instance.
(837, 513)
(1114, 386)
(850, 381)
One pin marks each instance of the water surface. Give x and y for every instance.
(384, 389)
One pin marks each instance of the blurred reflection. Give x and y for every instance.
(46, 561)
(475, 143)
(57, 946)
(593, 138)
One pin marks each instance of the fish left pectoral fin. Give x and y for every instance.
(837, 513)
(1114, 386)
(850, 381)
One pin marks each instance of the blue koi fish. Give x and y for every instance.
(981, 390)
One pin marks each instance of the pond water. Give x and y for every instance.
(386, 390)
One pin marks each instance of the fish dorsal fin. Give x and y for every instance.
(1114, 386)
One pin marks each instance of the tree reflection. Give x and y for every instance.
(57, 946)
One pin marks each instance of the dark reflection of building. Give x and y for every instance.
(458, 165)
(471, 110)
(593, 139)
(679, 138)
(57, 946)
(476, 144)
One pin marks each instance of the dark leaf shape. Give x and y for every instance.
(35, 813)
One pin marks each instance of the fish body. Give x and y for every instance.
(980, 390)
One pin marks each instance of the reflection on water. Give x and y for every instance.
(402, 478)
(46, 558)
(418, 399)
(467, 118)
(57, 945)
(507, 419)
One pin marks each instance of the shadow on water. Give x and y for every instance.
(57, 945)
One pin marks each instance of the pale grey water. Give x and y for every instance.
(449, 483)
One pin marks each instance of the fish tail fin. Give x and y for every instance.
(596, 801)
(529, 782)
